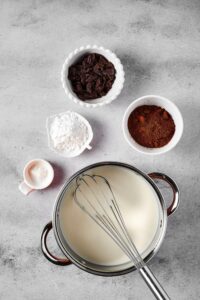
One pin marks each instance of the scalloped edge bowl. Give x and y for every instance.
(116, 87)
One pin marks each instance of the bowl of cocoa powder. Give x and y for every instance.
(92, 76)
(152, 125)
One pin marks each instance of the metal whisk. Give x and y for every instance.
(95, 197)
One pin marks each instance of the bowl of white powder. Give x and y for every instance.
(69, 133)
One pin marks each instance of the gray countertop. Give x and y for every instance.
(158, 43)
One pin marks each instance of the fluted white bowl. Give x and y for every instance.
(117, 86)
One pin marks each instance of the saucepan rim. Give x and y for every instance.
(67, 251)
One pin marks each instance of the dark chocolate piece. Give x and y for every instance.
(92, 76)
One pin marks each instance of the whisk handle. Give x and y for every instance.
(153, 284)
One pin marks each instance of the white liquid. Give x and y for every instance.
(140, 209)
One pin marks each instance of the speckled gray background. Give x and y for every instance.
(159, 45)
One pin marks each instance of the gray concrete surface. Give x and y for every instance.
(159, 45)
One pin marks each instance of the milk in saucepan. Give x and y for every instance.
(140, 208)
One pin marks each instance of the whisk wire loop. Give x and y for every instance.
(113, 224)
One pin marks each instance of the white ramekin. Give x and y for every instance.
(117, 85)
(168, 106)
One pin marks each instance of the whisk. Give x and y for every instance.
(94, 195)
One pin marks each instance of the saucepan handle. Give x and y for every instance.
(176, 198)
(52, 258)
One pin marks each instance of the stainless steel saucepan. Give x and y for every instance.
(70, 256)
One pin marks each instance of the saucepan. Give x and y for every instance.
(72, 256)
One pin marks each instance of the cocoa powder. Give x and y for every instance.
(151, 126)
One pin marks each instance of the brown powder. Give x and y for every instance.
(151, 126)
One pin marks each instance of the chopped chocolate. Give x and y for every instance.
(92, 76)
(151, 126)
